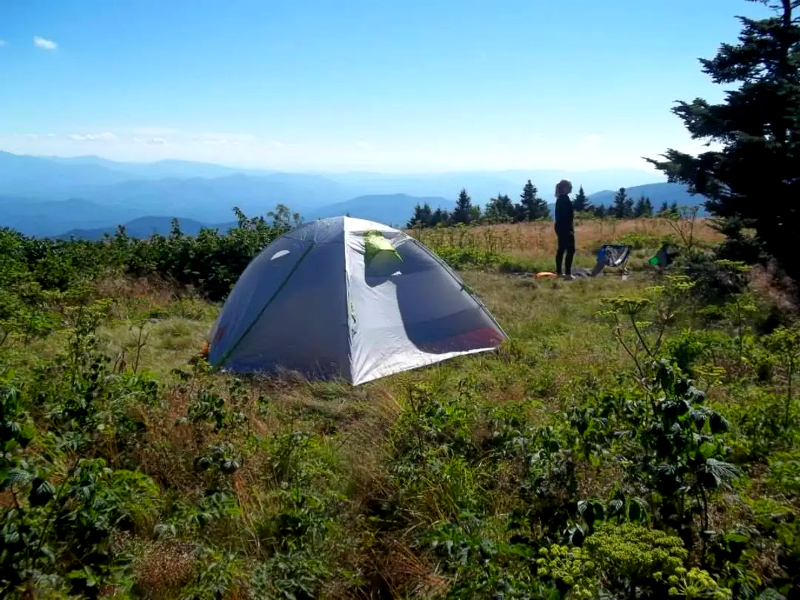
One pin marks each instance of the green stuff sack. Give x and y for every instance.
(378, 247)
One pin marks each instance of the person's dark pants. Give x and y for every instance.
(566, 244)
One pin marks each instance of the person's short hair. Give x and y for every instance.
(562, 186)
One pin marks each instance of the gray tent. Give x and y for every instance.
(349, 298)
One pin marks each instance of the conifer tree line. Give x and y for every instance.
(530, 207)
(751, 182)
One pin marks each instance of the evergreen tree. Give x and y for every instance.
(673, 209)
(664, 209)
(581, 202)
(643, 207)
(474, 213)
(500, 210)
(440, 216)
(421, 217)
(600, 211)
(748, 181)
(532, 207)
(462, 213)
(623, 206)
(638, 210)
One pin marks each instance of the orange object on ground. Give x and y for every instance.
(205, 349)
(544, 274)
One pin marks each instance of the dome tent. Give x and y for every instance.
(348, 298)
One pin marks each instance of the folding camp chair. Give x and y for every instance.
(612, 255)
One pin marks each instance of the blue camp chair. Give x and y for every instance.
(612, 255)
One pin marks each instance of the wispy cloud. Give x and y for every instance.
(44, 43)
(3, 43)
(364, 145)
(224, 138)
(158, 141)
(593, 138)
(106, 136)
(149, 131)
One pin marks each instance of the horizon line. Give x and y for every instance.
(342, 171)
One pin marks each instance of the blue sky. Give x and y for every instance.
(345, 84)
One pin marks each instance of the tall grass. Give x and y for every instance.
(538, 241)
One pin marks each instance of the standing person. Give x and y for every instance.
(565, 230)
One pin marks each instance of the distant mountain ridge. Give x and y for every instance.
(657, 192)
(143, 228)
(47, 196)
(392, 209)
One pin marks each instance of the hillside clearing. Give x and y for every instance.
(619, 416)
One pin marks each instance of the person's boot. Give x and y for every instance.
(568, 277)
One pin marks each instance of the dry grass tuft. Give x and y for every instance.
(162, 568)
(404, 573)
(538, 241)
(778, 291)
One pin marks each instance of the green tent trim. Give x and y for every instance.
(375, 244)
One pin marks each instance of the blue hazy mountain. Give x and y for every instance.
(483, 185)
(52, 195)
(392, 209)
(143, 228)
(156, 170)
(212, 199)
(52, 217)
(657, 192)
(31, 175)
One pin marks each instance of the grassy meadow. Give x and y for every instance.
(633, 438)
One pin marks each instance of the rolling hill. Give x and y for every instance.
(657, 192)
(143, 228)
(392, 209)
(52, 217)
(46, 196)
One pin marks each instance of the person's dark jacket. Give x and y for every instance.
(564, 214)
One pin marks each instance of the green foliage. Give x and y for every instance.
(581, 203)
(61, 540)
(785, 343)
(554, 468)
(634, 553)
(532, 207)
(639, 324)
(623, 205)
(758, 126)
(643, 208)
(462, 213)
(501, 210)
(573, 568)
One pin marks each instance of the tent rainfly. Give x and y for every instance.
(351, 299)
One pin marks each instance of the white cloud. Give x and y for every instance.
(594, 138)
(106, 136)
(157, 141)
(44, 43)
(364, 145)
(148, 131)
